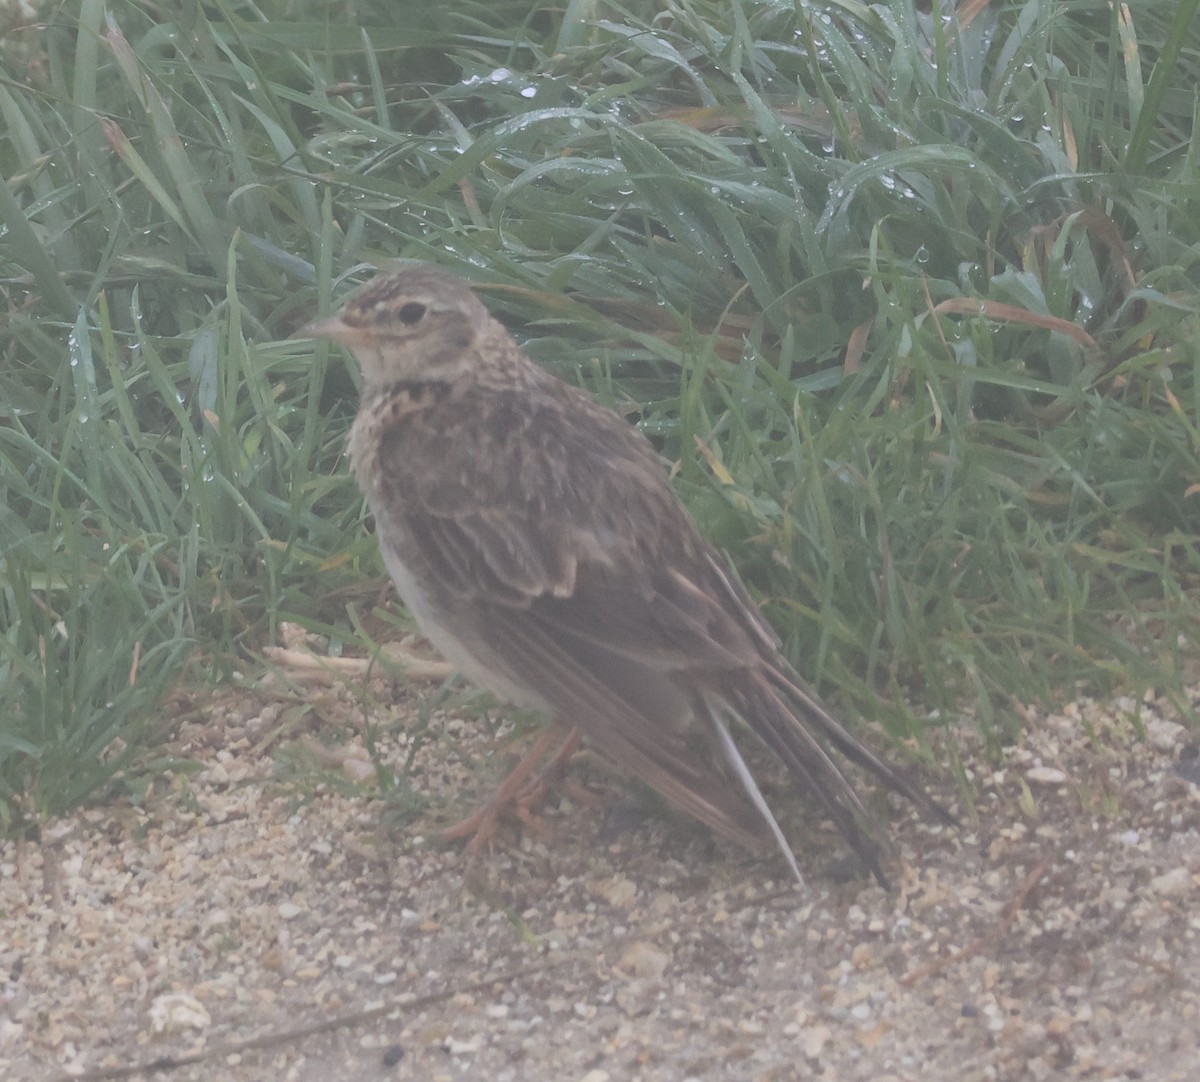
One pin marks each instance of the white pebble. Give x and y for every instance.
(1163, 734)
(464, 1048)
(1173, 883)
(813, 1040)
(176, 1011)
(358, 770)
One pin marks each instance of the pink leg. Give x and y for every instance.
(517, 791)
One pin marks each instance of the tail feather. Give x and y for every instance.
(797, 727)
(805, 707)
(809, 708)
(776, 704)
(733, 759)
(790, 736)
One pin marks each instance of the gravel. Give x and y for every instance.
(250, 920)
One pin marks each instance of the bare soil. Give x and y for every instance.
(276, 913)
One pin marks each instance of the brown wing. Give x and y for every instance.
(558, 507)
(560, 539)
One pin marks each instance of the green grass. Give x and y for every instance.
(913, 304)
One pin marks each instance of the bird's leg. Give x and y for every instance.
(550, 775)
(517, 792)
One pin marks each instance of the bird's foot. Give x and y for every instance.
(519, 794)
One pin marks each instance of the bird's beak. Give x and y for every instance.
(329, 328)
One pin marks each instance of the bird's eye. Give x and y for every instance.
(410, 313)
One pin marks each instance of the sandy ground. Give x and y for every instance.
(270, 914)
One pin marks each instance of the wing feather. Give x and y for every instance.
(644, 746)
(559, 540)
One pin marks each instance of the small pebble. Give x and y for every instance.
(1172, 884)
(1164, 735)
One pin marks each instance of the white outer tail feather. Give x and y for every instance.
(733, 759)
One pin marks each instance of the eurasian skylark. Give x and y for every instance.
(537, 541)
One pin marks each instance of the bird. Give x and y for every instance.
(536, 538)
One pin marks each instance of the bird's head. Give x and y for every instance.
(413, 325)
